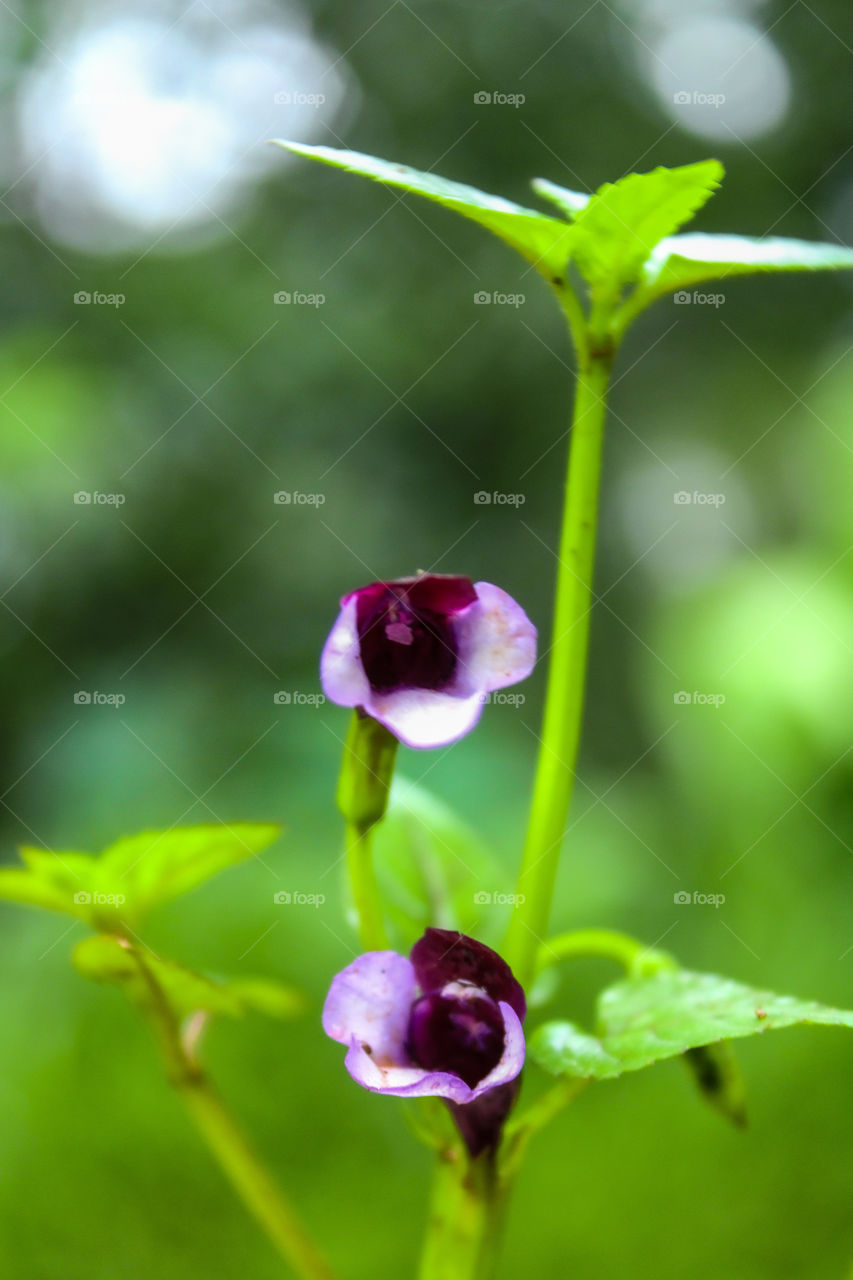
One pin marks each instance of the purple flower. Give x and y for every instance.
(445, 1023)
(420, 654)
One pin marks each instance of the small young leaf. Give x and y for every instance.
(694, 258)
(155, 866)
(105, 958)
(617, 231)
(644, 1020)
(541, 239)
(568, 202)
(432, 867)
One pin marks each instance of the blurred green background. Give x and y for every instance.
(134, 164)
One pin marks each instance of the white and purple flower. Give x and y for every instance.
(420, 654)
(445, 1023)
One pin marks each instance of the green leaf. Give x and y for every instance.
(539, 238)
(680, 261)
(105, 958)
(133, 874)
(618, 229)
(644, 1020)
(156, 866)
(567, 201)
(432, 868)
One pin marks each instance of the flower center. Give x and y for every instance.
(403, 646)
(457, 1031)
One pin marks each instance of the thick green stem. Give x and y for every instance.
(465, 1217)
(366, 772)
(238, 1161)
(567, 668)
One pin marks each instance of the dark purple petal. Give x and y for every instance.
(480, 1122)
(460, 1030)
(442, 956)
(406, 633)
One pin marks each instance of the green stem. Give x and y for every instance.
(635, 957)
(365, 890)
(567, 667)
(238, 1161)
(365, 781)
(465, 1217)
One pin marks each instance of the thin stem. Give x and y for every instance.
(634, 956)
(567, 668)
(465, 1215)
(365, 781)
(365, 890)
(224, 1137)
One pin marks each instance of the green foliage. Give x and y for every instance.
(432, 867)
(644, 1020)
(133, 875)
(619, 237)
(145, 977)
(620, 226)
(539, 238)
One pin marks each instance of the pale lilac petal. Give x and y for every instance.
(424, 717)
(386, 1076)
(369, 1004)
(496, 639)
(341, 672)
